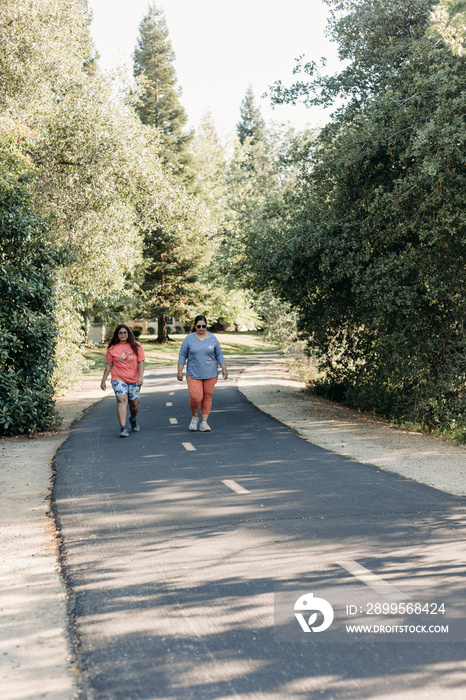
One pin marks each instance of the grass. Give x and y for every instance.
(167, 354)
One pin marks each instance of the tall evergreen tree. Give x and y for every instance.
(252, 124)
(177, 250)
(159, 102)
(170, 240)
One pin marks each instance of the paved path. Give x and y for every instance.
(174, 543)
(428, 460)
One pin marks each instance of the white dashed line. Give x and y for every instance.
(234, 486)
(173, 421)
(188, 446)
(370, 579)
(172, 393)
(169, 403)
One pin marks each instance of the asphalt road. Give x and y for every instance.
(175, 544)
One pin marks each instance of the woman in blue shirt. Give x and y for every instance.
(202, 351)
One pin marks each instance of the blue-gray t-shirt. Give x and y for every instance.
(203, 356)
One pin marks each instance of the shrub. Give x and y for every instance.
(27, 325)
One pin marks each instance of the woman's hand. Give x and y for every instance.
(107, 370)
(140, 381)
(179, 376)
(225, 372)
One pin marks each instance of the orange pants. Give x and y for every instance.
(200, 394)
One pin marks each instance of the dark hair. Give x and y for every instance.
(196, 320)
(131, 339)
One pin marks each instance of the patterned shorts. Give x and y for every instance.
(120, 387)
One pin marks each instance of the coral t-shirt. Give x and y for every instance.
(125, 362)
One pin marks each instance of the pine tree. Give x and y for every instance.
(177, 249)
(159, 104)
(252, 124)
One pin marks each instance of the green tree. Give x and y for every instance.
(449, 22)
(95, 162)
(45, 54)
(251, 126)
(158, 102)
(225, 301)
(210, 159)
(375, 251)
(260, 175)
(87, 151)
(177, 251)
(27, 322)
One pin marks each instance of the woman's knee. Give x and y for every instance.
(209, 389)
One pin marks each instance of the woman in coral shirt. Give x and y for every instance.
(125, 360)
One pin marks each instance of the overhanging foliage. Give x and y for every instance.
(371, 246)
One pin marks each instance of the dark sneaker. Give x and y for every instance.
(123, 432)
(134, 426)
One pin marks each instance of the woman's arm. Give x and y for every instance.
(220, 359)
(107, 371)
(141, 373)
(184, 352)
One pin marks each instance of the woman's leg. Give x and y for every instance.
(206, 406)
(133, 399)
(133, 408)
(122, 406)
(195, 389)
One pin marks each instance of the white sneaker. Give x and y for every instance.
(194, 423)
(204, 428)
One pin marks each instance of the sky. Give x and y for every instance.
(222, 47)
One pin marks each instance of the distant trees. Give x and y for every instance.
(176, 254)
(262, 170)
(251, 126)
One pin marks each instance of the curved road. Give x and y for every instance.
(176, 543)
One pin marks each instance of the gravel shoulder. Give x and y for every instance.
(35, 659)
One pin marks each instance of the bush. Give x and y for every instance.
(27, 325)
(137, 330)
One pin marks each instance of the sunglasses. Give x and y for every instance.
(201, 325)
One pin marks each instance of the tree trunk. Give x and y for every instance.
(162, 335)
